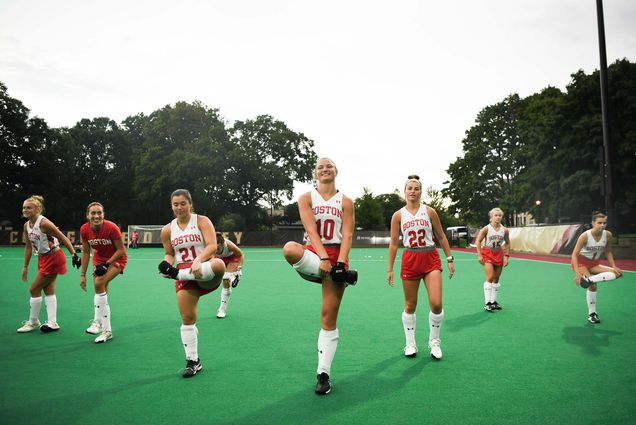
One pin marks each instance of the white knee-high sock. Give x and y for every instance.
(435, 323)
(190, 341)
(327, 345)
(97, 316)
(494, 292)
(35, 305)
(602, 277)
(101, 305)
(206, 273)
(591, 301)
(51, 307)
(225, 297)
(106, 318)
(487, 291)
(409, 321)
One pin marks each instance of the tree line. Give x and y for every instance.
(544, 147)
(547, 147)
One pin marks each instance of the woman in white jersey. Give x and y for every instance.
(43, 237)
(420, 261)
(233, 258)
(585, 261)
(493, 256)
(190, 239)
(328, 218)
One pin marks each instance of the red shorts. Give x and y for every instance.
(416, 265)
(120, 264)
(52, 264)
(332, 252)
(189, 284)
(230, 259)
(494, 257)
(585, 262)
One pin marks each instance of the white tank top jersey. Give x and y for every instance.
(226, 252)
(494, 238)
(328, 216)
(41, 242)
(187, 243)
(417, 230)
(593, 249)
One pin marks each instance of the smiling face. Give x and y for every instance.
(30, 210)
(95, 215)
(326, 170)
(181, 206)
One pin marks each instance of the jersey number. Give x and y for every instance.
(326, 228)
(185, 254)
(417, 239)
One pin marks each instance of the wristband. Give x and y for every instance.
(506, 255)
(325, 259)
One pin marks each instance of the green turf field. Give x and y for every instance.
(536, 361)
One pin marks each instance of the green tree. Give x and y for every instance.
(368, 212)
(390, 203)
(265, 160)
(493, 158)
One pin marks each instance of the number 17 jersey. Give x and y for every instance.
(416, 228)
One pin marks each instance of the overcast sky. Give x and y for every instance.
(385, 88)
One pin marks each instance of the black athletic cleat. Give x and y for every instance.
(488, 307)
(584, 282)
(495, 306)
(192, 368)
(323, 386)
(593, 318)
(166, 269)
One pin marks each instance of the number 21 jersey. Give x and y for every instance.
(187, 243)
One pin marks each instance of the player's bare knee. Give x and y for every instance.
(436, 308)
(293, 252)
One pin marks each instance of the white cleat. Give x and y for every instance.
(50, 327)
(220, 314)
(95, 328)
(436, 350)
(28, 326)
(105, 336)
(410, 351)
